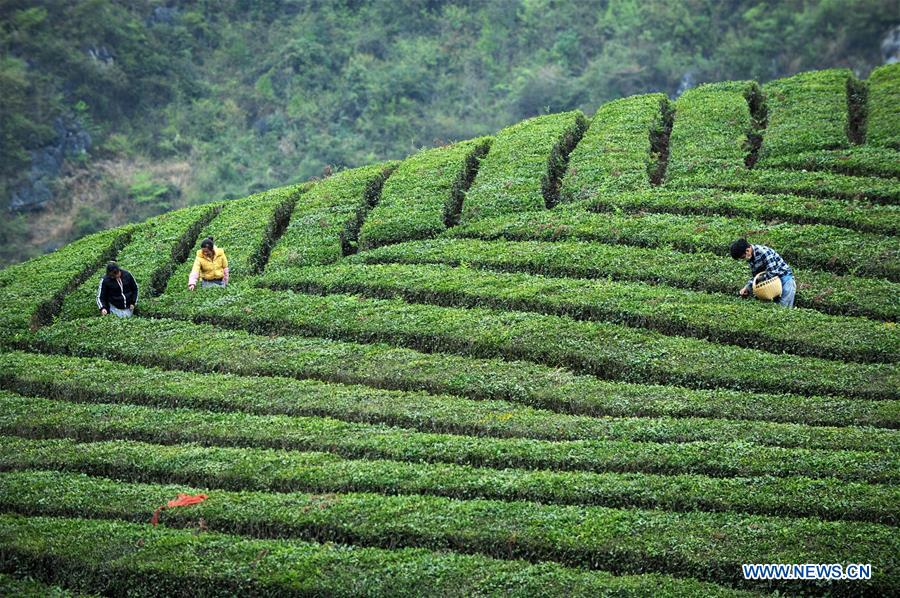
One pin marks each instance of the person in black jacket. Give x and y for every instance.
(118, 292)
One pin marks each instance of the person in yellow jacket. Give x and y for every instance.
(210, 266)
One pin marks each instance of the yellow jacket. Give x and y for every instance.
(210, 269)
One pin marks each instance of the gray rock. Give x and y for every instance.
(165, 15)
(36, 191)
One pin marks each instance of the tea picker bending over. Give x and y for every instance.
(765, 266)
(210, 266)
(117, 293)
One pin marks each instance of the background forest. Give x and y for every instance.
(115, 111)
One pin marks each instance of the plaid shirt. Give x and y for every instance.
(766, 259)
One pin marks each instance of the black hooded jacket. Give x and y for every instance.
(111, 293)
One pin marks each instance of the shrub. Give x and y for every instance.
(774, 208)
(700, 271)
(615, 153)
(860, 161)
(292, 471)
(883, 122)
(521, 171)
(83, 379)
(172, 562)
(806, 112)
(246, 229)
(42, 418)
(605, 350)
(34, 291)
(710, 130)
(424, 195)
(589, 537)
(327, 218)
(668, 310)
(154, 251)
(812, 184)
(820, 246)
(193, 347)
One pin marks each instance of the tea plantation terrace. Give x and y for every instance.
(511, 365)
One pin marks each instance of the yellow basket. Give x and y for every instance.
(767, 290)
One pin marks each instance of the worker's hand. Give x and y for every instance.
(131, 307)
(191, 287)
(744, 292)
(103, 312)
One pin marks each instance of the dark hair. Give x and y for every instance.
(738, 248)
(207, 243)
(112, 268)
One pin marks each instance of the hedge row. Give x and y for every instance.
(246, 229)
(828, 248)
(620, 540)
(522, 170)
(87, 380)
(813, 184)
(860, 216)
(36, 289)
(162, 561)
(822, 291)
(30, 588)
(292, 471)
(615, 153)
(711, 128)
(883, 124)
(181, 345)
(424, 195)
(864, 160)
(806, 112)
(44, 418)
(151, 256)
(669, 310)
(327, 218)
(605, 350)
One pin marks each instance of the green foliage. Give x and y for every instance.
(823, 247)
(883, 123)
(32, 293)
(87, 380)
(246, 229)
(424, 195)
(669, 310)
(615, 153)
(168, 561)
(327, 219)
(151, 255)
(145, 191)
(203, 348)
(710, 130)
(813, 184)
(29, 588)
(606, 350)
(860, 161)
(573, 536)
(568, 257)
(860, 216)
(292, 471)
(43, 418)
(521, 171)
(806, 112)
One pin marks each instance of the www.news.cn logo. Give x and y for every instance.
(807, 571)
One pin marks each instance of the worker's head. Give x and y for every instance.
(208, 247)
(741, 250)
(112, 270)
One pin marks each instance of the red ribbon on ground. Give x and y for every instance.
(183, 500)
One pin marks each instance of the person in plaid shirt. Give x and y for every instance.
(766, 259)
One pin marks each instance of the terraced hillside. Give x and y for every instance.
(514, 365)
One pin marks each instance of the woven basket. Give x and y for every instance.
(766, 290)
